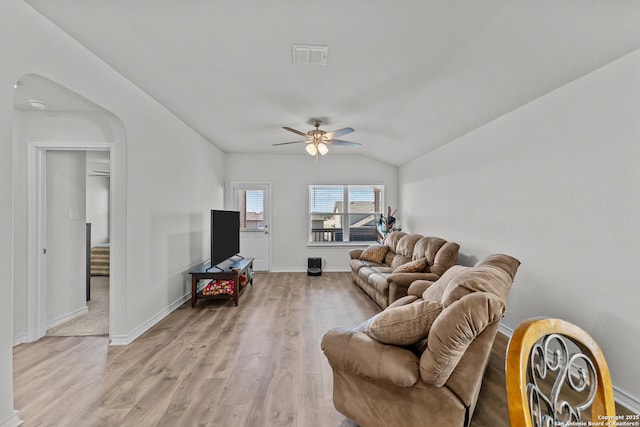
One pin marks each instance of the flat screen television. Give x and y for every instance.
(225, 235)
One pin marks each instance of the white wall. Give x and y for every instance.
(34, 126)
(98, 208)
(290, 177)
(555, 184)
(165, 179)
(98, 196)
(66, 236)
(7, 415)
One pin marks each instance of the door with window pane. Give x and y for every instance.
(253, 202)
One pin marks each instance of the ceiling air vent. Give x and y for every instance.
(309, 54)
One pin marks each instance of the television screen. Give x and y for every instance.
(225, 235)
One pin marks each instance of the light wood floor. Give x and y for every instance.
(258, 364)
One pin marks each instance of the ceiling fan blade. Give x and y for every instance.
(342, 143)
(295, 131)
(339, 132)
(292, 142)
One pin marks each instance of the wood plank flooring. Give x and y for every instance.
(258, 364)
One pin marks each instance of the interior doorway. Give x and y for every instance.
(92, 265)
(61, 196)
(64, 120)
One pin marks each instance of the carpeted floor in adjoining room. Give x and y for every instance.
(96, 321)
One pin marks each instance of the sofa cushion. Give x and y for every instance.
(357, 264)
(404, 249)
(435, 291)
(446, 257)
(418, 266)
(427, 247)
(351, 351)
(403, 325)
(375, 253)
(377, 280)
(453, 331)
(506, 263)
(407, 299)
(367, 271)
(477, 279)
(392, 239)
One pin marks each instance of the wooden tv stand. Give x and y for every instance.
(232, 272)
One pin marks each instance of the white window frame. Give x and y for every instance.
(346, 241)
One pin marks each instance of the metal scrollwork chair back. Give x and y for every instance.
(556, 375)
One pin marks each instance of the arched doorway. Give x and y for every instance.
(52, 118)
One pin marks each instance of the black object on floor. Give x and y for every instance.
(314, 266)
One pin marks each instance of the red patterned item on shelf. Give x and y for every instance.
(218, 287)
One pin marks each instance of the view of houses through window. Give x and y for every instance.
(251, 209)
(344, 213)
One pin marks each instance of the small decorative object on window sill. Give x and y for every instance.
(387, 224)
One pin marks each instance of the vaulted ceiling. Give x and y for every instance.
(409, 76)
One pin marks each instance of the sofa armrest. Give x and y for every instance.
(355, 253)
(399, 283)
(406, 279)
(418, 287)
(358, 354)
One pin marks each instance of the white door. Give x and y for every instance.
(253, 200)
(66, 236)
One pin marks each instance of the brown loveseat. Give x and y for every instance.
(421, 361)
(385, 271)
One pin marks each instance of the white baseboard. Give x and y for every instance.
(19, 339)
(622, 397)
(11, 421)
(22, 338)
(144, 327)
(69, 316)
(505, 329)
(304, 270)
(626, 400)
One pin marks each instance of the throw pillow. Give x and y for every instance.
(404, 325)
(375, 253)
(417, 266)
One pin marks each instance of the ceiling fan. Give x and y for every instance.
(317, 140)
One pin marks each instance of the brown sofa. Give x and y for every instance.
(380, 279)
(379, 379)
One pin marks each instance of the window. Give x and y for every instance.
(344, 213)
(251, 207)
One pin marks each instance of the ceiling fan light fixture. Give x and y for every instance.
(312, 149)
(318, 141)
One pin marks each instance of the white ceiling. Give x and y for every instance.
(32, 87)
(409, 76)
